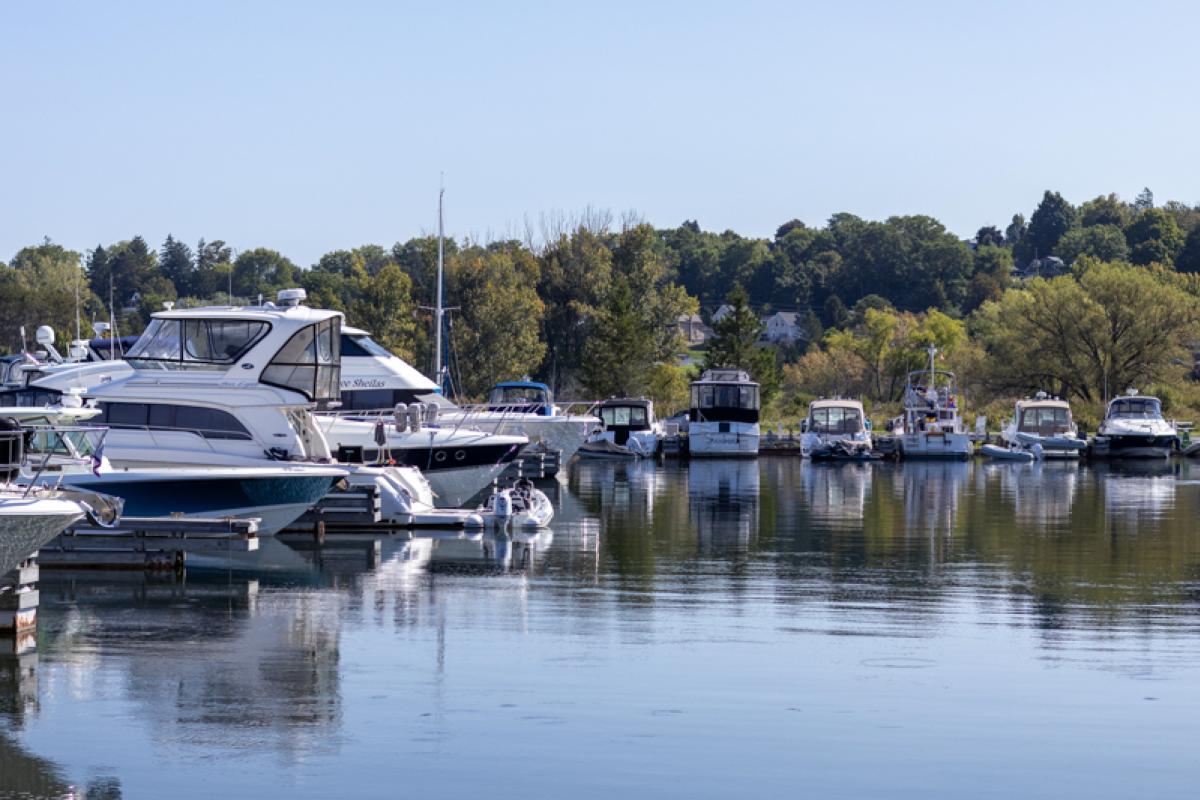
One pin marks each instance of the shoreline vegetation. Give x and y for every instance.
(1079, 301)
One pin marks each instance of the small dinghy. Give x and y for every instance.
(999, 453)
(523, 507)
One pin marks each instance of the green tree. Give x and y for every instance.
(1053, 217)
(618, 356)
(129, 265)
(735, 343)
(495, 336)
(384, 306)
(176, 264)
(40, 288)
(576, 271)
(1105, 210)
(1105, 242)
(989, 235)
(1154, 238)
(1189, 257)
(261, 271)
(214, 268)
(1115, 327)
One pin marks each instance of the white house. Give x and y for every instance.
(722, 312)
(782, 326)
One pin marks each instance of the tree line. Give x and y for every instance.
(591, 307)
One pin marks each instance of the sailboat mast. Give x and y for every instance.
(439, 311)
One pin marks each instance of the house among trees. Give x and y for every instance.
(1045, 267)
(721, 312)
(782, 327)
(695, 333)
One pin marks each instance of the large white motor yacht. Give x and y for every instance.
(931, 425)
(1134, 427)
(723, 418)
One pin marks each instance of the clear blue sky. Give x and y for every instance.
(309, 127)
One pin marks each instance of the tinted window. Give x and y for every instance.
(125, 415)
(308, 363)
(361, 345)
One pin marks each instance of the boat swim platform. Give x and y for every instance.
(148, 543)
(359, 508)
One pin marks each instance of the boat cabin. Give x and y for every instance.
(835, 418)
(724, 395)
(521, 397)
(1045, 417)
(623, 416)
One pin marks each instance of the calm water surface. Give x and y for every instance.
(728, 629)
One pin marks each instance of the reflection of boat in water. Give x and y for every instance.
(1134, 488)
(724, 499)
(837, 492)
(931, 491)
(1040, 492)
(491, 551)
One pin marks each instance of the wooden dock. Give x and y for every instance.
(19, 600)
(149, 543)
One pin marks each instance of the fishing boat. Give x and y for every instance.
(1134, 427)
(1041, 427)
(629, 431)
(835, 429)
(931, 425)
(723, 418)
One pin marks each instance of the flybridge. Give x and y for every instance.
(289, 346)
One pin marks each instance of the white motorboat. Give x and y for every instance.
(835, 428)
(521, 507)
(375, 379)
(1042, 427)
(629, 431)
(723, 418)
(1134, 427)
(931, 425)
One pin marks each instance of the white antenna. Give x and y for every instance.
(78, 329)
(438, 310)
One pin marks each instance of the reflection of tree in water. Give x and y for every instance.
(221, 661)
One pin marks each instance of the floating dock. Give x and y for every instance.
(148, 543)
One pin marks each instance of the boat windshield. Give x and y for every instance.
(624, 415)
(1045, 420)
(724, 396)
(195, 344)
(517, 396)
(1135, 408)
(362, 345)
(836, 420)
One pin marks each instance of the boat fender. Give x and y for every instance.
(502, 505)
(400, 415)
(1037, 452)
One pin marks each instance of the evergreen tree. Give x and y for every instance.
(1154, 237)
(175, 261)
(618, 354)
(735, 344)
(1053, 217)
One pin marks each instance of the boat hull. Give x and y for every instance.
(1132, 446)
(454, 488)
(275, 500)
(934, 445)
(723, 440)
(28, 524)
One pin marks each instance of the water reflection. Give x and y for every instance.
(805, 612)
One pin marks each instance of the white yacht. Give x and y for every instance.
(1134, 427)
(1043, 425)
(375, 379)
(629, 430)
(235, 386)
(723, 418)
(835, 428)
(931, 425)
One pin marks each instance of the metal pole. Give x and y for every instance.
(438, 311)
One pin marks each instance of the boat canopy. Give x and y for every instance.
(632, 414)
(835, 419)
(1135, 408)
(527, 397)
(195, 344)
